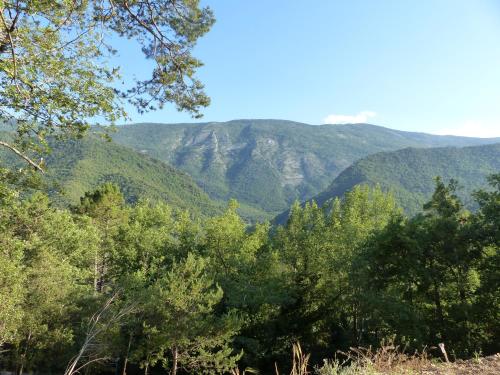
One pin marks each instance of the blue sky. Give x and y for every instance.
(426, 65)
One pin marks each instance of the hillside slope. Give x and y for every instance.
(267, 164)
(80, 166)
(409, 173)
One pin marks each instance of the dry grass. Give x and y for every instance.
(246, 371)
(300, 361)
(484, 366)
(300, 364)
(387, 360)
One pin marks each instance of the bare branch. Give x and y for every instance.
(23, 156)
(98, 324)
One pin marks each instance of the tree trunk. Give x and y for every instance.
(439, 307)
(463, 299)
(125, 362)
(96, 269)
(175, 355)
(24, 355)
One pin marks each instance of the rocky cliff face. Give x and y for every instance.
(267, 164)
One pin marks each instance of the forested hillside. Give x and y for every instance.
(149, 250)
(409, 173)
(144, 289)
(82, 165)
(268, 164)
(77, 166)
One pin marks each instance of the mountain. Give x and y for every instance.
(77, 166)
(267, 164)
(409, 173)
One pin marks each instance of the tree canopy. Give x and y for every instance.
(147, 287)
(55, 75)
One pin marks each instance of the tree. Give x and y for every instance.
(420, 277)
(11, 270)
(488, 216)
(12, 291)
(105, 206)
(317, 247)
(46, 256)
(55, 77)
(241, 261)
(485, 238)
(99, 325)
(179, 313)
(143, 240)
(232, 252)
(182, 327)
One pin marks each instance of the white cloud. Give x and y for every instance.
(361, 117)
(472, 129)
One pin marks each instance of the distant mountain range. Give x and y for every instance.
(409, 174)
(267, 164)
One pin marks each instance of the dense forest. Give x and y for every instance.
(178, 164)
(268, 164)
(115, 288)
(408, 174)
(76, 166)
(144, 265)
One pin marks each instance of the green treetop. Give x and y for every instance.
(55, 76)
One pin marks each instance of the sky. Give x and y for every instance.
(428, 65)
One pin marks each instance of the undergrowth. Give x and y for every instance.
(388, 359)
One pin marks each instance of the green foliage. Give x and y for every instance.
(177, 323)
(207, 295)
(54, 64)
(105, 206)
(317, 246)
(49, 259)
(11, 288)
(75, 167)
(428, 279)
(268, 164)
(485, 230)
(409, 173)
(180, 321)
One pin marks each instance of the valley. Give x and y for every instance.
(268, 164)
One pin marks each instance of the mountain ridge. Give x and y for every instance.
(271, 122)
(409, 174)
(74, 167)
(267, 164)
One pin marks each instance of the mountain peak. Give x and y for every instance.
(266, 163)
